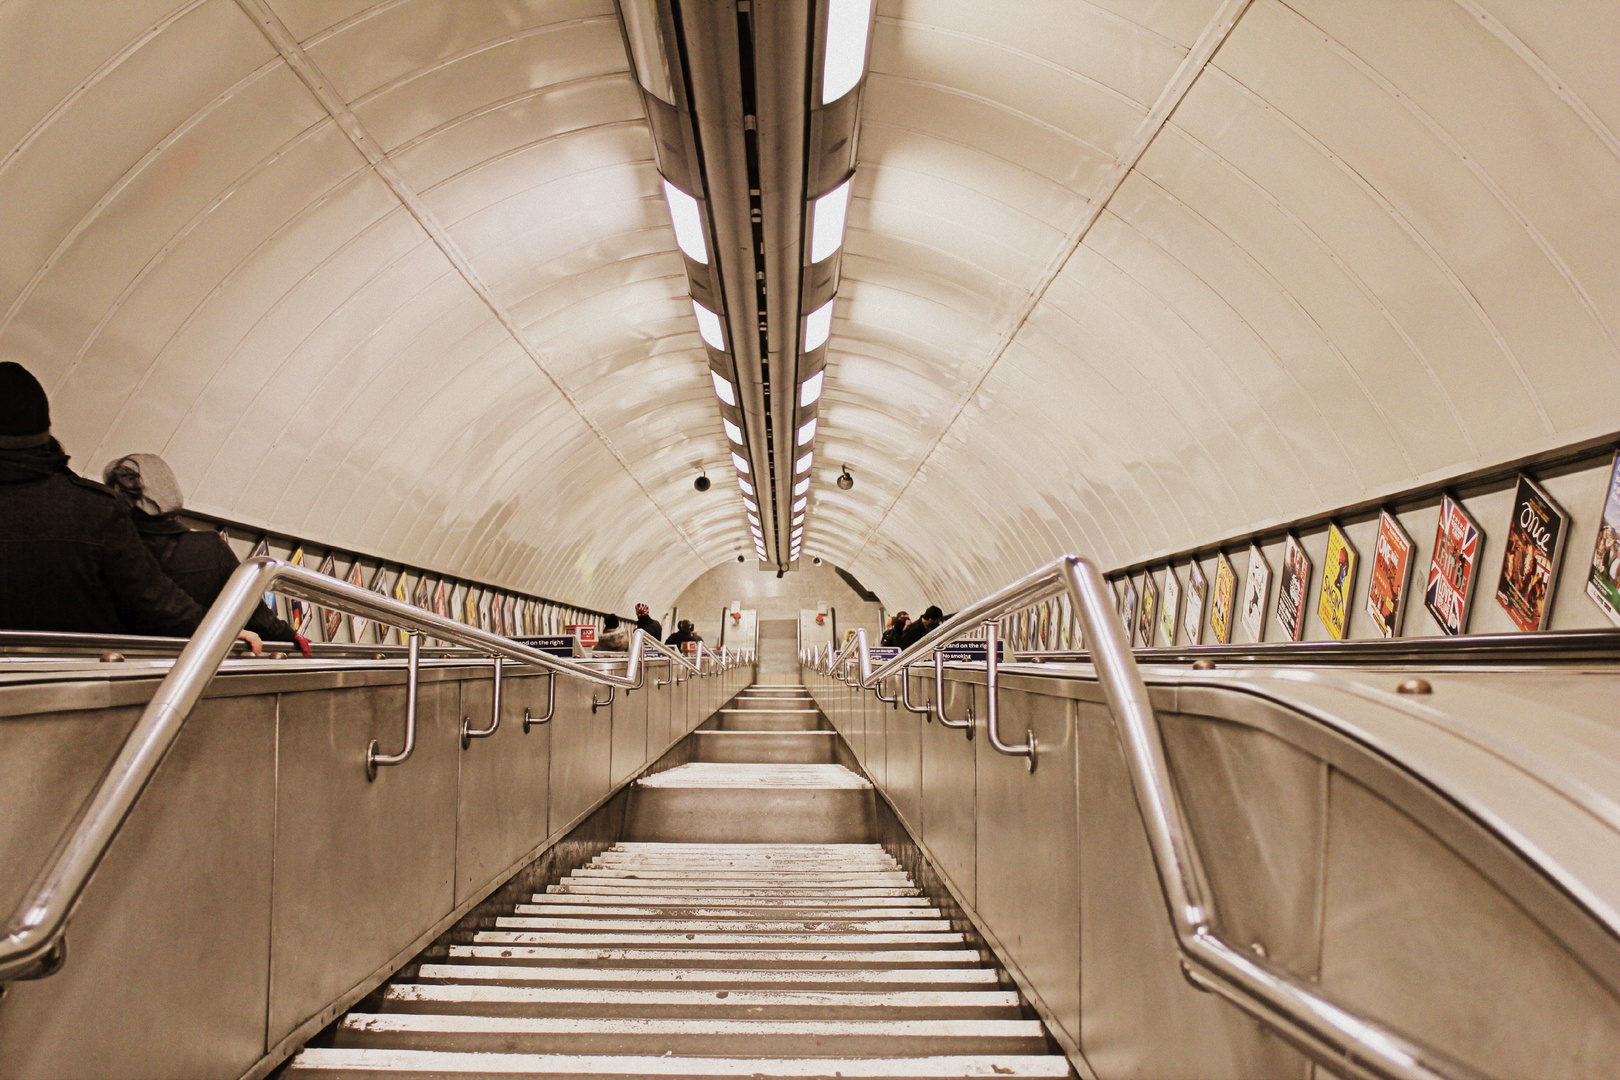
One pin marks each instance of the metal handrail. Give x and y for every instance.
(32, 945)
(1345, 1042)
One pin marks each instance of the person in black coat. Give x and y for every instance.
(645, 621)
(919, 629)
(896, 631)
(70, 558)
(197, 560)
(684, 632)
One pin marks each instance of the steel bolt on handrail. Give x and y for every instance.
(32, 946)
(1349, 1044)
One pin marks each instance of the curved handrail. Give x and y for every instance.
(1347, 1043)
(31, 945)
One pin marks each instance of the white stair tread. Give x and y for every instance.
(430, 1063)
(712, 774)
(375, 1023)
(600, 874)
(636, 915)
(587, 899)
(898, 999)
(874, 957)
(803, 850)
(713, 941)
(521, 921)
(730, 977)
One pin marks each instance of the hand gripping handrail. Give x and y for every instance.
(32, 945)
(1347, 1043)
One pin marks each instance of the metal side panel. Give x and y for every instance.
(361, 867)
(504, 787)
(904, 743)
(1028, 869)
(630, 740)
(660, 732)
(1405, 915)
(1138, 1016)
(949, 786)
(169, 950)
(1258, 810)
(877, 736)
(581, 753)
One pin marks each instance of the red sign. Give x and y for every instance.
(586, 632)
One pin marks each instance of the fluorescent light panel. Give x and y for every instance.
(747, 488)
(709, 326)
(800, 505)
(740, 462)
(807, 432)
(826, 222)
(722, 389)
(753, 507)
(733, 432)
(817, 327)
(810, 392)
(845, 58)
(683, 211)
(802, 486)
(803, 464)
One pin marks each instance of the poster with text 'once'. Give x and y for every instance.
(1224, 606)
(1170, 610)
(1333, 605)
(1197, 597)
(1603, 580)
(1454, 567)
(1256, 588)
(1293, 587)
(1530, 560)
(1148, 615)
(1127, 610)
(1391, 572)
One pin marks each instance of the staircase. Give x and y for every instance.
(747, 927)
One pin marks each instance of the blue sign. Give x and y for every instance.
(882, 652)
(972, 652)
(558, 645)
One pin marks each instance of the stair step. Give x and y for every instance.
(781, 877)
(740, 914)
(752, 958)
(914, 898)
(695, 940)
(708, 1036)
(713, 774)
(720, 926)
(489, 1000)
(716, 978)
(320, 1064)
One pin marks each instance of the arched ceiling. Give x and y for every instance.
(1120, 277)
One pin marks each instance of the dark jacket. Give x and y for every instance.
(915, 632)
(71, 560)
(200, 562)
(893, 635)
(654, 628)
(681, 637)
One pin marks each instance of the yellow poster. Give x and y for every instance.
(1338, 582)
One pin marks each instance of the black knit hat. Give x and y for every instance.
(25, 411)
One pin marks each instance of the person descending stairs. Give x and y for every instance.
(747, 926)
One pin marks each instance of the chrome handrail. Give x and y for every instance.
(31, 946)
(1347, 1043)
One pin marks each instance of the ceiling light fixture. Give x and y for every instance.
(683, 212)
(709, 326)
(733, 432)
(845, 481)
(844, 61)
(817, 327)
(826, 222)
(807, 432)
(747, 488)
(803, 464)
(810, 392)
(753, 507)
(800, 505)
(739, 462)
(802, 486)
(722, 389)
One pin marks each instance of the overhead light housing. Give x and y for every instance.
(799, 520)
(752, 506)
(647, 48)
(683, 211)
(747, 488)
(722, 389)
(845, 481)
(733, 432)
(709, 326)
(844, 60)
(740, 462)
(800, 504)
(802, 486)
(817, 327)
(826, 222)
(807, 432)
(803, 464)
(809, 393)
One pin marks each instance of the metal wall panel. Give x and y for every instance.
(1405, 915)
(903, 739)
(949, 791)
(877, 735)
(361, 867)
(503, 792)
(630, 741)
(581, 753)
(169, 951)
(1028, 859)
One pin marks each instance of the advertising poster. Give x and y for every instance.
(1391, 572)
(469, 610)
(1292, 588)
(331, 618)
(1531, 558)
(379, 585)
(1333, 605)
(299, 612)
(1197, 598)
(1225, 605)
(1453, 567)
(262, 548)
(1148, 615)
(402, 593)
(1127, 611)
(441, 606)
(1170, 610)
(1603, 581)
(1256, 589)
(357, 623)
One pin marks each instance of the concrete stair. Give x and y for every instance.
(715, 955)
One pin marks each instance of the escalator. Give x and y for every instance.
(747, 926)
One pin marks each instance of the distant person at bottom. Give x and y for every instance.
(920, 629)
(615, 636)
(683, 634)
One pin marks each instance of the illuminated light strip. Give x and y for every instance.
(809, 393)
(817, 327)
(683, 212)
(722, 389)
(709, 326)
(844, 61)
(733, 432)
(807, 432)
(827, 222)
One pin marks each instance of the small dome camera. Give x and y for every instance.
(742, 558)
(845, 481)
(702, 482)
(818, 560)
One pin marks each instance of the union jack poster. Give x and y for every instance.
(1453, 568)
